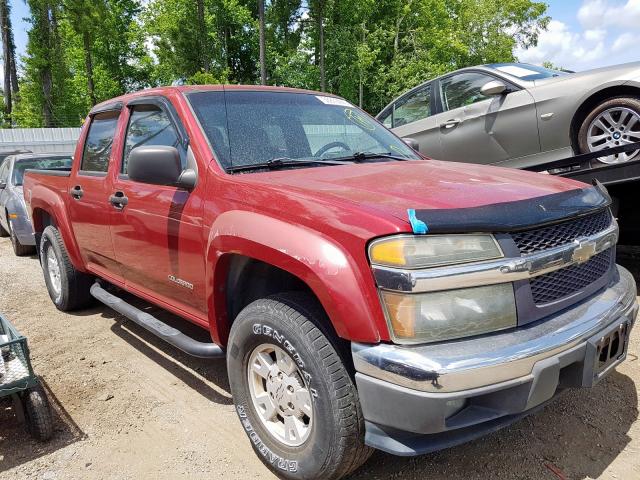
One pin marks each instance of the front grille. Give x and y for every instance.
(567, 281)
(543, 238)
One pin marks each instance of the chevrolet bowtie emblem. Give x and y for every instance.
(584, 251)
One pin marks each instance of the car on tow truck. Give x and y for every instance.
(522, 116)
(362, 295)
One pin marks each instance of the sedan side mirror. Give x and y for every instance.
(413, 143)
(159, 165)
(494, 88)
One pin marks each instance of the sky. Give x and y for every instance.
(586, 34)
(583, 34)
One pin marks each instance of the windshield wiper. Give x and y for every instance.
(283, 162)
(363, 156)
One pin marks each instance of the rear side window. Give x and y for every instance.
(97, 147)
(4, 171)
(387, 118)
(148, 125)
(412, 108)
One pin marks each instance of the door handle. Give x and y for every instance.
(76, 192)
(118, 200)
(451, 123)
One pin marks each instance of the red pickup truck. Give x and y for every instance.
(363, 296)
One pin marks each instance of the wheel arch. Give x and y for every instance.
(43, 216)
(251, 256)
(594, 99)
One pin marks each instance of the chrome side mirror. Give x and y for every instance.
(494, 88)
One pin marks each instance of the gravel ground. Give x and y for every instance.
(127, 406)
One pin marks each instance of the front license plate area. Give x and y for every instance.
(605, 351)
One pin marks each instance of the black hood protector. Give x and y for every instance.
(518, 215)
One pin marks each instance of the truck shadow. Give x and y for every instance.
(18, 447)
(201, 375)
(578, 436)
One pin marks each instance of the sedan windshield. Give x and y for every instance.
(41, 163)
(291, 129)
(527, 72)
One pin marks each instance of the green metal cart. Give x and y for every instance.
(18, 381)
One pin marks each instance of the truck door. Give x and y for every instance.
(89, 190)
(479, 129)
(158, 233)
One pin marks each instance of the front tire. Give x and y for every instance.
(3, 232)
(613, 123)
(68, 287)
(294, 396)
(18, 249)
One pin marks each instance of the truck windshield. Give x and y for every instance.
(43, 163)
(256, 127)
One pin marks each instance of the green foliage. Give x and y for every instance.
(374, 49)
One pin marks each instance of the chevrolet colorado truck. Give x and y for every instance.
(362, 295)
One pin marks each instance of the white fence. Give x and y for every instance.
(39, 140)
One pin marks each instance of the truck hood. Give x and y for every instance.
(390, 188)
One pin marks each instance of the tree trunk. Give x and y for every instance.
(202, 35)
(263, 66)
(323, 82)
(6, 49)
(88, 63)
(47, 24)
(47, 111)
(12, 53)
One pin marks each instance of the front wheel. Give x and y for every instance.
(613, 123)
(294, 396)
(3, 233)
(19, 249)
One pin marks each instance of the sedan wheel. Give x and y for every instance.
(614, 123)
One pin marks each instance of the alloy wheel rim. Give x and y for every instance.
(280, 395)
(614, 127)
(53, 269)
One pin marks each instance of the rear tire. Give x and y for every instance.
(600, 129)
(68, 287)
(327, 437)
(37, 413)
(19, 249)
(3, 232)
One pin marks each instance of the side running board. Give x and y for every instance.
(152, 324)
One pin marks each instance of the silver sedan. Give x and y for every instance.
(14, 221)
(521, 115)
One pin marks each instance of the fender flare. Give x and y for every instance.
(334, 276)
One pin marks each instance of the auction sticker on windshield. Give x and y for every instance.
(333, 101)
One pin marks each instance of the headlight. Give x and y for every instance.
(410, 251)
(436, 316)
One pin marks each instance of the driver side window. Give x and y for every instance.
(463, 89)
(148, 125)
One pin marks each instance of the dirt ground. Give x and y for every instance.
(127, 406)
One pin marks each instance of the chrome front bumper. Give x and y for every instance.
(419, 399)
(501, 357)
